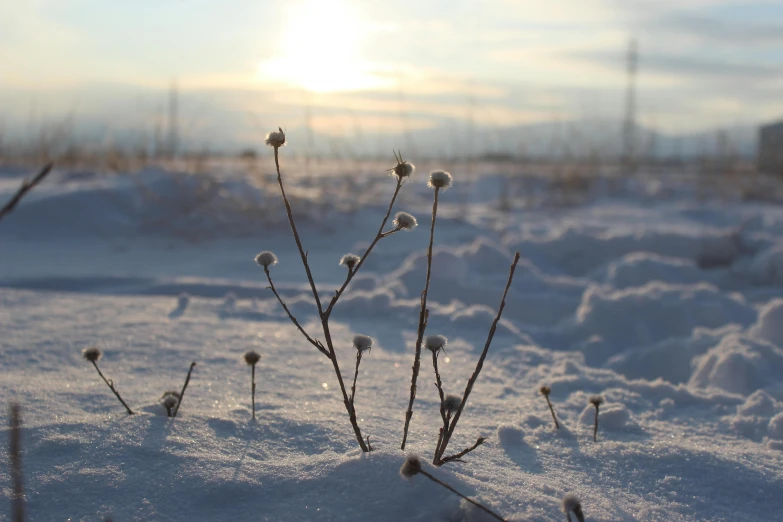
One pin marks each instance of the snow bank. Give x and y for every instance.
(649, 314)
(739, 364)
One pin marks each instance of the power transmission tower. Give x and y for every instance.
(629, 123)
(173, 124)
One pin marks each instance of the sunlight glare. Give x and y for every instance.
(320, 49)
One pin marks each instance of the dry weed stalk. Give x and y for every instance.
(596, 401)
(412, 466)
(15, 464)
(93, 354)
(26, 187)
(251, 359)
(182, 392)
(447, 430)
(439, 180)
(545, 391)
(403, 221)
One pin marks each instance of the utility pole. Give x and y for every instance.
(629, 123)
(173, 124)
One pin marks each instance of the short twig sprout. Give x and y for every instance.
(597, 401)
(405, 221)
(276, 138)
(93, 354)
(251, 359)
(169, 401)
(266, 259)
(182, 391)
(412, 466)
(439, 179)
(545, 391)
(350, 261)
(435, 343)
(451, 403)
(572, 504)
(362, 343)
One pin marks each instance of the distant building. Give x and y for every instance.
(770, 157)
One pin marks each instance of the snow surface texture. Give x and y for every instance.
(670, 309)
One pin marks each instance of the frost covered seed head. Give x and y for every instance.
(169, 401)
(92, 353)
(275, 138)
(405, 221)
(266, 259)
(572, 504)
(439, 179)
(362, 342)
(403, 169)
(350, 260)
(172, 393)
(251, 357)
(545, 391)
(411, 466)
(596, 400)
(435, 343)
(451, 403)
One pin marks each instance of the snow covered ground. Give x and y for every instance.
(669, 306)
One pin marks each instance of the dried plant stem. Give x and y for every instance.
(438, 458)
(423, 316)
(184, 387)
(552, 410)
(302, 253)
(595, 425)
(253, 388)
(324, 314)
(356, 374)
(312, 341)
(346, 400)
(439, 385)
(110, 384)
(380, 235)
(15, 464)
(484, 508)
(26, 187)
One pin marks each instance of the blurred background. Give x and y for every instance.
(594, 84)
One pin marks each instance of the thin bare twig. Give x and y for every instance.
(312, 341)
(457, 457)
(184, 387)
(110, 384)
(15, 461)
(330, 351)
(438, 458)
(439, 385)
(26, 187)
(423, 316)
(302, 253)
(253, 388)
(356, 374)
(380, 235)
(438, 481)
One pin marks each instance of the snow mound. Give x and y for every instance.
(769, 326)
(645, 315)
(640, 268)
(766, 267)
(775, 427)
(509, 435)
(612, 417)
(739, 364)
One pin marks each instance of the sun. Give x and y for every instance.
(321, 49)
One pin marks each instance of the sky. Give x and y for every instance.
(349, 67)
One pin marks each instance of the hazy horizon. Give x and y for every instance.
(344, 68)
